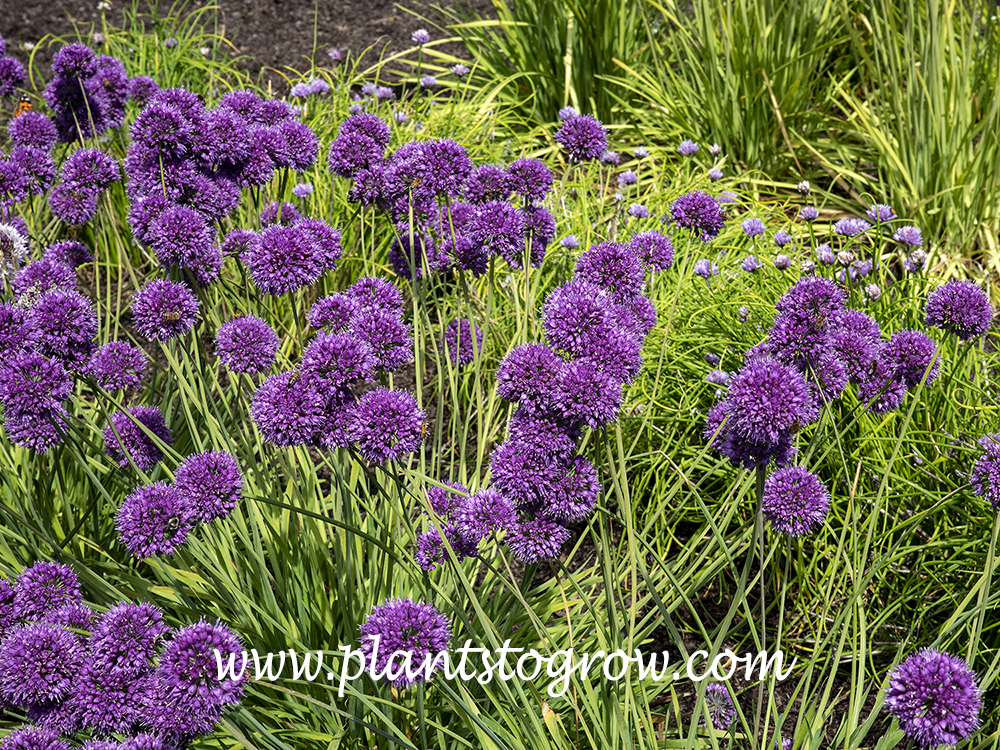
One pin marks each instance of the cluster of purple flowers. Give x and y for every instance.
(126, 674)
(361, 333)
(413, 630)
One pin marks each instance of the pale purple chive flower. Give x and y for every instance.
(570, 242)
(302, 189)
(795, 502)
(715, 149)
(356, 109)
(935, 697)
(460, 70)
(287, 411)
(782, 238)
(318, 86)
(164, 309)
(404, 627)
(715, 174)
(385, 425)
(752, 227)
(427, 81)
(653, 250)
(335, 55)
(431, 552)
(527, 372)
(246, 344)
(300, 89)
(211, 483)
(611, 158)
(154, 520)
(640, 153)
(721, 709)
(483, 513)
(117, 365)
(985, 477)
(458, 343)
(420, 36)
(804, 187)
(717, 377)
(908, 236)
(808, 213)
(960, 307)
(873, 292)
(687, 148)
(537, 539)
(628, 177)
(880, 213)
(169, 42)
(368, 89)
(825, 254)
(583, 137)
(912, 354)
(66, 324)
(781, 262)
(39, 662)
(743, 311)
(530, 179)
(851, 227)
(565, 113)
(384, 93)
(916, 261)
(400, 117)
(639, 211)
(132, 442)
(699, 212)
(751, 264)
(705, 268)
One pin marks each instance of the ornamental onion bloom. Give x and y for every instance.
(715, 175)
(699, 212)
(286, 259)
(333, 361)
(499, 228)
(914, 356)
(131, 442)
(721, 709)
(960, 307)
(583, 137)
(752, 227)
(751, 264)
(387, 335)
(705, 268)
(32, 129)
(908, 236)
(653, 250)
(687, 148)
(530, 179)
(246, 344)
(287, 411)
(537, 539)
(985, 477)
(768, 399)
(610, 266)
(431, 550)
(385, 424)
(211, 483)
(781, 262)
(39, 662)
(443, 500)
(409, 628)
(527, 371)
(851, 227)
(420, 36)
(117, 365)
(483, 513)
(795, 502)
(154, 520)
(43, 275)
(935, 698)
(163, 309)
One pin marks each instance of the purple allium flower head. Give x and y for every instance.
(813, 296)
(766, 399)
(376, 294)
(583, 137)
(717, 377)
(527, 372)
(499, 228)
(90, 169)
(72, 253)
(721, 709)
(163, 309)
(32, 129)
(537, 539)
(420, 36)
(687, 148)
(908, 236)
(881, 213)
(12, 76)
(43, 275)
(570, 242)
(385, 424)
(915, 262)
(574, 314)
(808, 213)
(142, 88)
(640, 153)
(795, 502)
(37, 167)
(283, 213)
(445, 167)
(180, 236)
(851, 227)
(44, 587)
(913, 354)
(211, 483)
(752, 227)
(368, 125)
(530, 179)
(302, 189)
(525, 473)
(400, 117)
(431, 550)
(38, 662)
(985, 476)
(154, 520)
(325, 239)
(935, 698)
(705, 268)
(483, 513)
(488, 183)
(132, 442)
(825, 254)
(460, 70)
(302, 143)
(66, 324)
(336, 360)
(781, 262)
(14, 182)
(628, 177)
(546, 432)
(427, 81)
(699, 212)
(125, 638)
(873, 291)
(246, 344)
(17, 333)
(715, 174)
(458, 342)
(782, 238)
(386, 334)
(413, 628)
(188, 665)
(333, 312)
(384, 93)
(881, 388)
(71, 205)
(856, 340)
(540, 229)
(300, 89)
(610, 158)
(575, 494)
(117, 365)
(285, 260)
(610, 266)
(241, 242)
(443, 500)
(287, 410)
(751, 264)
(34, 738)
(639, 211)
(583, 393)
(960, 307)
(653, 250)
(162, 130)
(740, 451)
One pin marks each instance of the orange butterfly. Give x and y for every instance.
(23, 106)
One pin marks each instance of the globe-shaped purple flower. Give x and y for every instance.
(66, 323)
(131, 442)
(376, 293)
(246, 344)
(530, 179)
(164, 309)
(795, 502)
(43, 588)
(30, 384)
(211, 484)
(583, 393)
(287, 410)
(124, 640)
(536, 540)
(409, 628)
(583, 137)
(188, 665)
(385, 425)
(768, 399)
(528, 371)
(154, 520)
(286, 259)
(483, 513)
(935, 698)
(443, 500)
(117, 365)
(32, 129)
(721, 709)
(914, 355)
(699, 212)
(333, 313)
(336, 360)
(431, 550)
(653, 250)
(43, 275)
(487, 182)
(960, 307)
(611, 266)
(752, 227)
(499, 228)
(388, 337)
(38, 663)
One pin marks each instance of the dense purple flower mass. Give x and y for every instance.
(44, 275)
(574, 315)
(32, 385)
(499, 228)
(653, 250)
(961, 308)
(385, 424)
(914, 356)
(613, 267)
(34, 738)
(487, 183)
(583, 393)
(768, 399)
(287, 411)
(66, 323)
(74, 254)
(935, 697)
(117, 365)
(132, 442)
(529, 370)
(387, 335)
(286, 259)
(246, 344)
(880, 213)
(37, 664)
(851, 227)
(32, 129)
(458, 341)
(583, 137)
(333, 313)
(90, 169)
(17, 334)
(154, 520)
(163, 309)
(376, 294)
(431, 550)
(483, 513)
(530, 179)
(335, 360)
(403, 625)
(537, 539)
(700, 213)
(795, 502)
(43, 587)
(211, 484)
(124, 639)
